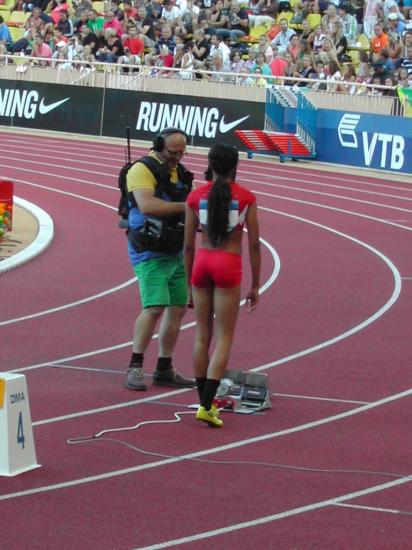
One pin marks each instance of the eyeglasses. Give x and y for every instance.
(175, 154)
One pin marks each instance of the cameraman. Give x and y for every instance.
(157, 189)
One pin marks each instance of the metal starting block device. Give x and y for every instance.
(243, 392)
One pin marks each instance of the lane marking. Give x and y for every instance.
(372, 508)
(222, 448)
(275, 517)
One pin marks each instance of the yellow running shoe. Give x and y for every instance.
(211, 416)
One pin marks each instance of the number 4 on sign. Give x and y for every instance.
(20, 432)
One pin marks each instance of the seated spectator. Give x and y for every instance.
(88, 57)
(57, 7)
(383, 65)
(364, 67)
(348, 22)
(65, 25)
(349, 79)
(406, 41)
(250, 61)
(218, 45)
(110, 48)
(166, 39)
(329, 18)
(307, 33)
(111, 22)
(164, 59)
(217, 66)
(370, 16)
(265, 48)
(89, 38)
(95, 22)
(145, 27)
(201, 47)
(5, 36)
(189, 17)
(278, 65)
(305, 69)
(319, 76)
(132, 43)
(170, 14)
(38, 21)
(327, 53)
(187, 63)
(379, 41)
(282, 39)
(261, 63)
(404, 79)
(217, 16)
(129, 62)
(80, 22)
(407, 61)
(318, 38)
(238, 23)
(396, 26)
(257, 79)
(334, 77)
(340, 42)
(293, 47)
(81, 7)
(41, 49)
(236, 62)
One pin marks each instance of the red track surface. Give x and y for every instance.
(332, 332)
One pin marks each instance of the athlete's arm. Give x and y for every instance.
(191, 223)
(149, 205)
(254, 255)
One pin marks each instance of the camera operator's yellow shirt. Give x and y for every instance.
(140, 177)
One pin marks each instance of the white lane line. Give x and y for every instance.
(198, 160)
(102, 294)
(52, 165)
(262, 290)
(315, 398)
(42, 241)
(333, 196)
(333, 209)
(372, 508)
(395, 295)
(111, 407)
(222, 448)
(322, 345)
(275, 517)
(57, 176)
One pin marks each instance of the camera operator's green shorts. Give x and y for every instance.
(162, 282)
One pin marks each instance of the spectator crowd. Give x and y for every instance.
(256, 42)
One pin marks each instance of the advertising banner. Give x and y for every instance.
(205, 120)
(51, 106)
(371, 141)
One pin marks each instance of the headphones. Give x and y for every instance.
(159, 140)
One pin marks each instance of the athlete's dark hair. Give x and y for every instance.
(223, 160)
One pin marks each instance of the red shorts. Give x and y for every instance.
(216, 268)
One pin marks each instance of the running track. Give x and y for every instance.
(327, 467)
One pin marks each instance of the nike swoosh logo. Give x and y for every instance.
(44, 109)
(225, 127)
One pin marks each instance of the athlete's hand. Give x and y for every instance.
(252, 299)
(189, 298)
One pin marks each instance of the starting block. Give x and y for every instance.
(17, 452)
(244, 392)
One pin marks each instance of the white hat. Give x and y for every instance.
(393, 16)
(61, 44)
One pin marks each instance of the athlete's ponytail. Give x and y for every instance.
(223, 160)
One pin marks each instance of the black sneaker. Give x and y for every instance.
(170, 377)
